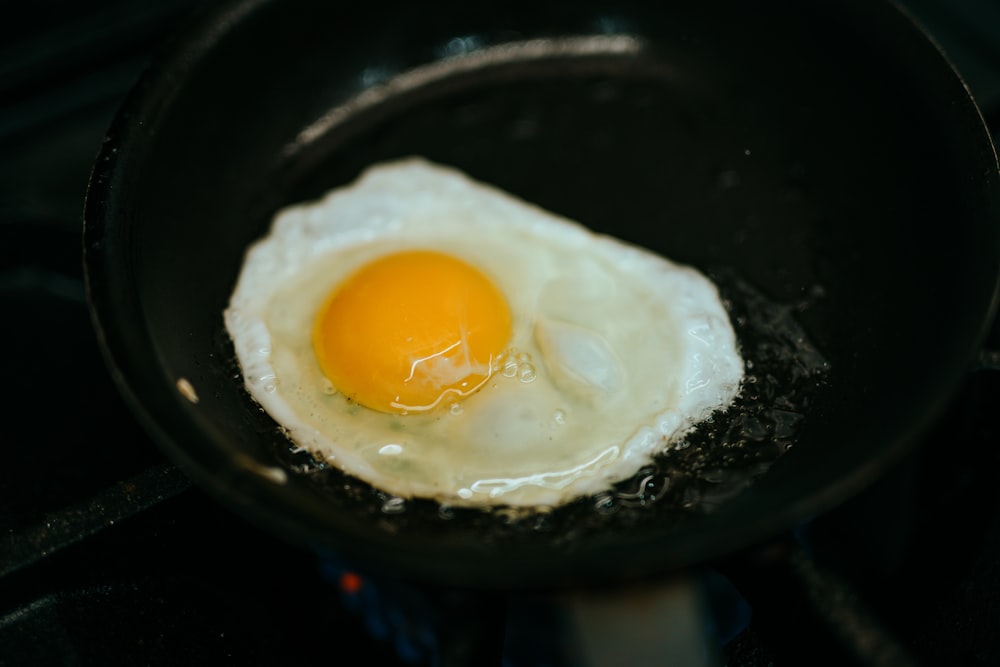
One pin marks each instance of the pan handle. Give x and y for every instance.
(807, 606)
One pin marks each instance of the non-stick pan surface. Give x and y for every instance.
(822, 162)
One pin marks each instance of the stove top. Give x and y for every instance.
(108, 553)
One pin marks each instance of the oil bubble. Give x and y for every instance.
(394, 505)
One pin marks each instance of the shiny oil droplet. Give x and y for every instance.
(394, 506)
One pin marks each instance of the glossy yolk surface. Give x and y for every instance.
(410, 331)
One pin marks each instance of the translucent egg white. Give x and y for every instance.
(616, 352)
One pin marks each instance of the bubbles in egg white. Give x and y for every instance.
(615, 351)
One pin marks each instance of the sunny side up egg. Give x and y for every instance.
(439, 338)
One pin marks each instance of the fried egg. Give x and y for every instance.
(440, 338)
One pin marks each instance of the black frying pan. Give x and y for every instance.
(824, 158)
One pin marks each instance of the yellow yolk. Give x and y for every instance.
(411, 330)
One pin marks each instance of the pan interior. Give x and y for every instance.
(834, 179)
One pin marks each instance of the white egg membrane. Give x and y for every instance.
(616, 352)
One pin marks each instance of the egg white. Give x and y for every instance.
(616, 352)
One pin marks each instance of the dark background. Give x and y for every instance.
(109, 556)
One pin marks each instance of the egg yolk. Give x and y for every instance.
(410, 331)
